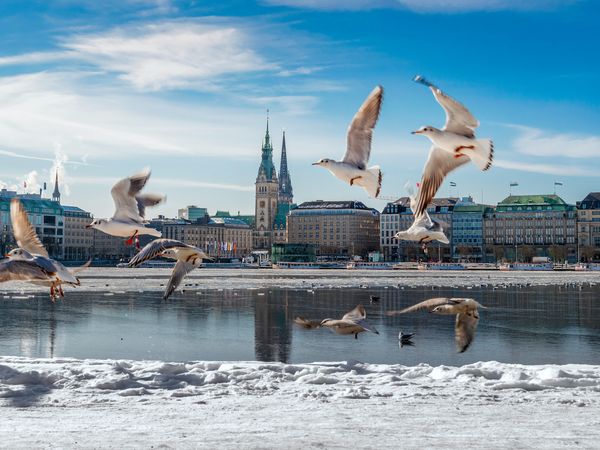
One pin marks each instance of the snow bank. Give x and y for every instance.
(47, 379)
(69, 403)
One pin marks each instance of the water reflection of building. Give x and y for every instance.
(272, 329)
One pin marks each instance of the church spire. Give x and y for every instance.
(286, 194)
(56, 193)
(267, 137)
(266, 170)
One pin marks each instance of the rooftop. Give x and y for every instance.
(544, 200)
(321, 204)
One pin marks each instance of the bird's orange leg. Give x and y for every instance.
(130, 240)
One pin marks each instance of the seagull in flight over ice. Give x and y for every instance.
(22, 270)
(187, 256)
(352, 168)
(453, 146)
(424, 229)
(130, 207)
(352, 322)
(31, 249)
(465, 309)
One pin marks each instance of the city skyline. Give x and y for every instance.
(101, 92)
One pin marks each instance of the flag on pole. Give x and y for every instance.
(558, 183)
(514, 183)
(453, 184)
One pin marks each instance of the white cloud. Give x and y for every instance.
(58, 167)
(533, 141)
(91, 123)
(107, 182)
(171, 54)
(424, 5)
(549, 169)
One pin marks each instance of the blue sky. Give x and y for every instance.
(99, 90)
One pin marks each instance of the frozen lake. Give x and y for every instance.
(119, 314)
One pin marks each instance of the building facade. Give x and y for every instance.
(45, 215)
(267, 196)
(588, 227)
(523, 226)
(219, 237)
(274, 197)
(191, 212)
(467, 231)
(397, 216)
(337, 228)
(78, 240)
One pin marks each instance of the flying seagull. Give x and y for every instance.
(31, 249)
(352, 168)
(187, 256)
(423, 229)
(130, 207)
(466, 312)
(352, 322)
(307, 323)
(22, 270)
(453, 146)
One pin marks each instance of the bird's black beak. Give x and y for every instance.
(415, 132)
(88, 226)
(316, 163)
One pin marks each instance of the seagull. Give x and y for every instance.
(466, 312)
(374, 299)
(405, 336)
(22, 270)
(130, 207)
(353, 167)
(30, 248)
(352, 322)
(453, 145)
(307, 323)
(423, 229)
(406, 339)
(187, 256)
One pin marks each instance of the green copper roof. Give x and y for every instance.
(469, 208)
(532, 202)
(267, 168)
(282, 211)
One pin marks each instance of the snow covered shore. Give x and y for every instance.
(137, 280)
(107, 403)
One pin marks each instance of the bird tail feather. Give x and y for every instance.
(483, 155)
(372, 184)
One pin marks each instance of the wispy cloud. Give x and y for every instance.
(429, 6)
(548, 169)
(158, 181)
(536, 142)
(170, 54)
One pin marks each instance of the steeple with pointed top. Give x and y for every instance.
(286, 194)
(56, 193)
(266, 171)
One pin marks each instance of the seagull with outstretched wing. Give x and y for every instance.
(187, 256)
(30, 248)
(22, 270)
(353, 168)
(424, 229)
(353, 322)
(465, 309)
(453, 146)
(130, 208)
